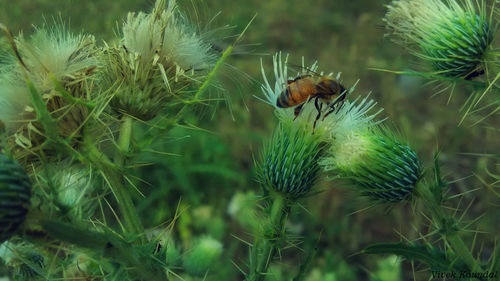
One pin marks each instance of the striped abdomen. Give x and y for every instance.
(296, 92)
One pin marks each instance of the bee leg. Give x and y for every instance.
(297, 111)
(341, 105)
(333, 109)
(318, 107)
(329, 112)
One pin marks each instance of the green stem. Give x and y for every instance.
(133, 223)
(265, 247)
(124, 139)
(114, 176)
(446, 224)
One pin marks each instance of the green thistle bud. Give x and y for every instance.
(14, 197)
(198, 261)
(172, 254)
(381, 166)
(454, 39)
(75, 190)
(290, 160)
(31, 268)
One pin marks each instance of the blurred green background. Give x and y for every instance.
(214, 171)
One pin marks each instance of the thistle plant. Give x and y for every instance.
(290, 164)
(54, 69)
(351, 145)
(290, 161)
(79, 119)
(455, 39)
(159, 57)
(69, 107)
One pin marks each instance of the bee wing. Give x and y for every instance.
(303, 71)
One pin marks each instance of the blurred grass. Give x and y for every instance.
(344, 36)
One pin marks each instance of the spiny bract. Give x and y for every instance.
(377, 163)
(290, 160)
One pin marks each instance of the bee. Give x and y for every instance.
(323, 89)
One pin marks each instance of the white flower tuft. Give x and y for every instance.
(165, 35)
(57, 52)
(14, 99)
(413, 19)
(352, 115)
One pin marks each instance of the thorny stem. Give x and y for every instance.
(445, 223)
(265, 248)
(124, 139)
(114, 176)
(133, 223)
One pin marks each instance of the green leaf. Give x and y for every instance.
(43, 114)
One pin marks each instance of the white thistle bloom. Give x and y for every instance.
(166, 36)
(51, 59)
(347, 141)
(160, 58)
(353, 115)
(49, 54)
(57, 52)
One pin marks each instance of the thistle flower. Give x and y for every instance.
(60, 66)
(352, 114)
(455, 39)
(14, 197)
(378, 164)
(291, 160)
(160, 56)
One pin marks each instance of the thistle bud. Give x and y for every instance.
(453, 38)
(14, 197)
(377, 163)
(206, 251)
(290, 160)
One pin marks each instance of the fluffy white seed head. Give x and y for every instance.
(57, 52)
(61, 66)
(166, 35)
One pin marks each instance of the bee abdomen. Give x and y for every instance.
(283, 100)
